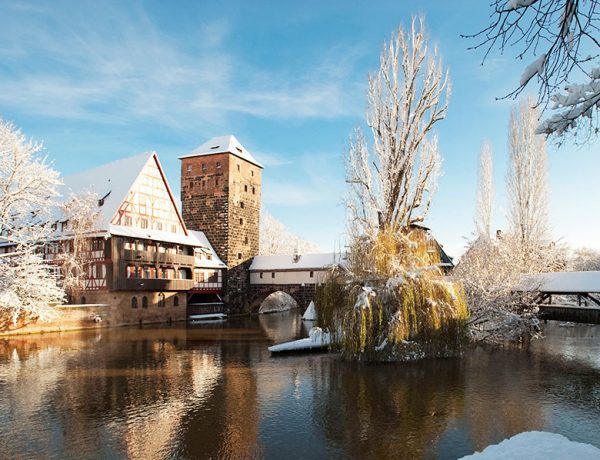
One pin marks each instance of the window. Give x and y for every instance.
(143, 209)
(203, 184)
(134, 302)
(242, 204)
(245, 188)
(82, 300)
(128, 221)
(261, 275)
(216, 182)
(252, 173)
(176, 300)
(241, 221)
(64, 225)
(173, 228)
(312, 274)
(238, 167)
(253, 191)
(158, 225)
(218, 164)
(144, 223)
(131, 271)
(239, 255)
(273, 275)
(161, 300)
(54, 226)
(203, 166)
(191, 184)
(144, 302)
(189, 168)
(246, 240)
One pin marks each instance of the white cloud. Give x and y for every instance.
(74, 69)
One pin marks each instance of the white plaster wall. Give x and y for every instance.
(288, 277)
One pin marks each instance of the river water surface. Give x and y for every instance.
(214, 391)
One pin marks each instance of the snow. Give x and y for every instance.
(310, 314)
(561, 282)
(111, 181)
(533, 69)
(202, 241)
(223, 144)
(537, 445)
(515, 4)
(317, 339)
(295, 262)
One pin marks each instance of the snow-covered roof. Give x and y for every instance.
(295, 262)
(202, 240)
(223, 144)
(111, 181)
(562, 282)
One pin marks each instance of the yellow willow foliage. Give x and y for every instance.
(411, 302)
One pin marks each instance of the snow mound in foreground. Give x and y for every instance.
(537, 445)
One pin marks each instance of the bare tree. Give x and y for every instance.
(485, 192)
(28, 187)
(562, 37)
(392, 181)
(527, 180)
(275, 238)
(80, 212)
(584, 259)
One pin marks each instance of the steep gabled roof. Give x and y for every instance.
(223, 144)
(111, 181)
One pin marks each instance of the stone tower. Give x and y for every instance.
(220, 195)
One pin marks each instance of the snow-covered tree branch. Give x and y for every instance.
(485, 192)
(561, 39)
(391, 181)
(275, 238)
(28, 188)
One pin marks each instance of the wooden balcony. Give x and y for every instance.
(155, 257)
(153, 284)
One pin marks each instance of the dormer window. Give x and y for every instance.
(239, 150)
(215, 147)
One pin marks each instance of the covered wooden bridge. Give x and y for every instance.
(565, 296)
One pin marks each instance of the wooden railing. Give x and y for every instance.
(153, 284)
(158, 257)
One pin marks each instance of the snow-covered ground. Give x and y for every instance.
(537, 445)
(278, 301)
(316, 339)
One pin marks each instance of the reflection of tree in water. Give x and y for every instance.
(388, 411)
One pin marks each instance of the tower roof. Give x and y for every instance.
(223, 144)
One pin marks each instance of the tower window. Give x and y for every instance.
(246, 240)
(242, 204)
(216, 182)
(191, 184)
(253, 191)
(189, 168)
(245, 188)
(218, 164)
(239, 255)
(241, 221)
(252, 173)
(238, 167)
(203, 166)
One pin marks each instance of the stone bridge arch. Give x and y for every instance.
(301, 293)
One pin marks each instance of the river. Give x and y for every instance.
(214, 391)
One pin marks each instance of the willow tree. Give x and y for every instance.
(391, 302)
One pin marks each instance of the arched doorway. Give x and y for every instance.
(278, 301)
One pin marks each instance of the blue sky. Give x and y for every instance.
(288, 78)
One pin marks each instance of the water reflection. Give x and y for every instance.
(214, 391)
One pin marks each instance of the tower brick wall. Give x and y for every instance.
(221, 196)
